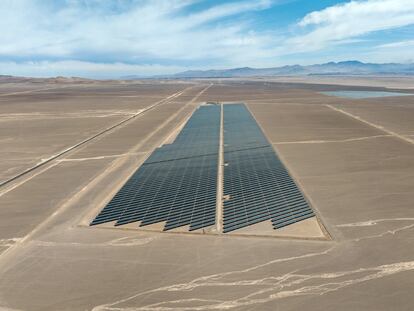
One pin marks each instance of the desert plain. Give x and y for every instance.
(67, 146)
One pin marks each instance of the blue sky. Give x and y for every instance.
(112, 38)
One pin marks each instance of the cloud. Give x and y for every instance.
(352, 19)
(102, 38)
(399, 44)
(228, 9)
(128, 31)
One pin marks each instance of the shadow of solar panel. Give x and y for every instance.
(177, 183)
(259, 186)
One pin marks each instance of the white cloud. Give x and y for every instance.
(145, 30)
(121, 37)
(353, 19)
(228, 9)
(399, 44)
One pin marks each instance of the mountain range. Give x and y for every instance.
(331, 68)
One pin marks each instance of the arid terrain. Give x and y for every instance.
(67, 146)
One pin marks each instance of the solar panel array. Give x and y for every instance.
(256, 183)
(177, 183)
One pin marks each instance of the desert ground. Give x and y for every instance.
(66, 146)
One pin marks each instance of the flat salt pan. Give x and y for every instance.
(364, 94)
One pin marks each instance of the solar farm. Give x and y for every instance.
(208, 194)
(177, 183)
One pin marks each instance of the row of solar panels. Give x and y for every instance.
(177, 184)
(257, 184)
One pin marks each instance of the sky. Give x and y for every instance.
(114, 38)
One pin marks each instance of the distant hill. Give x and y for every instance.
(59, 79)
(331, 68)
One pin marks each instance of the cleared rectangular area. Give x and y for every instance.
(257, 186)
(177, 183)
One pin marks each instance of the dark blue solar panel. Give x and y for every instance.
(257, 183)
(177, 183)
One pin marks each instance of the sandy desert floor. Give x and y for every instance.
(66, 147)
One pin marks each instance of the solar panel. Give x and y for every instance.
(257, 184)
(177, 183)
